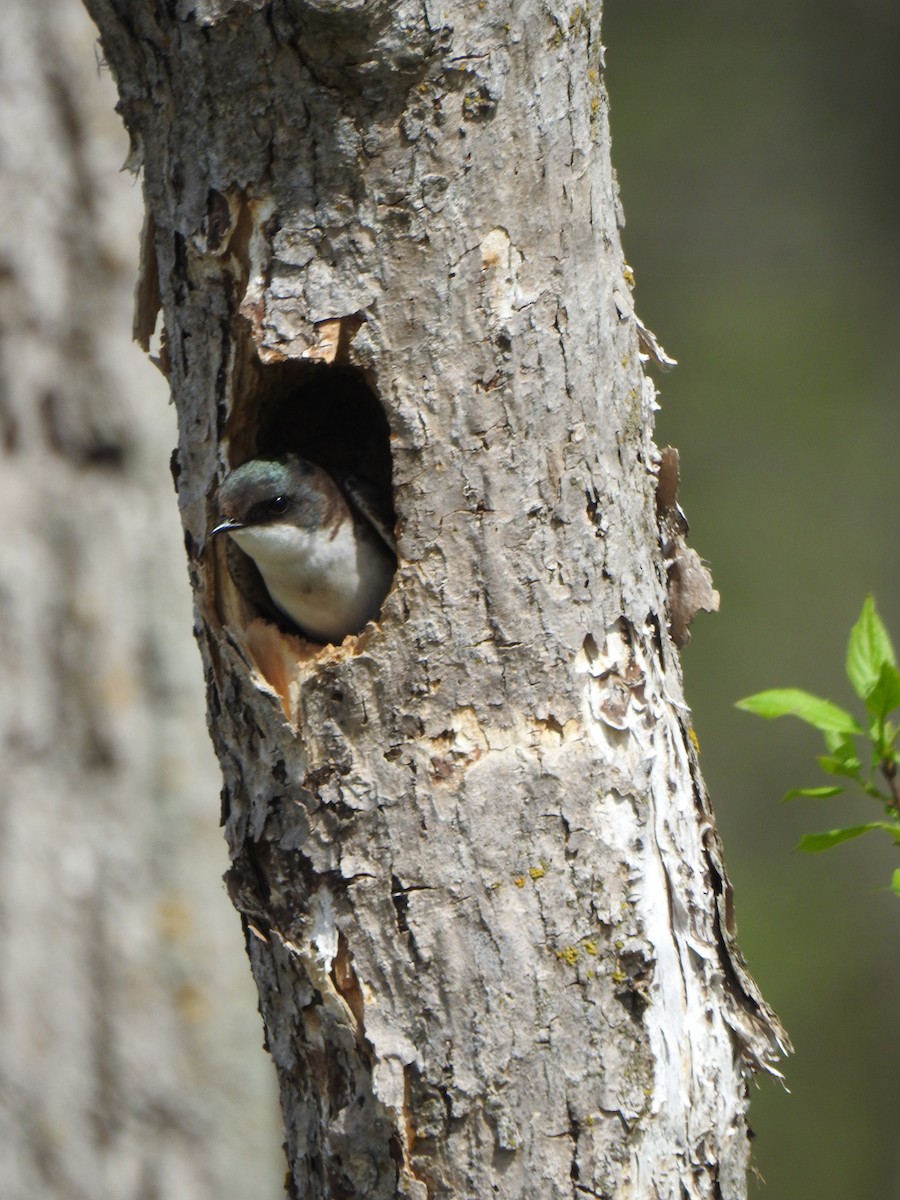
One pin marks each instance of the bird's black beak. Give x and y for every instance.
(227, 527)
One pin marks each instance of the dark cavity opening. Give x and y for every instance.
(328, 414)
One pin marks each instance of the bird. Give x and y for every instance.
(325, 551)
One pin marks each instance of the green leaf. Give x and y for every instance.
(843, 759)
(793, 702)
(817, 793)
(895, 882)
(885, 695)
(875, 792)
(849, 768)
(840, 744)
(868, 651)
(815, 843)
(837, 766)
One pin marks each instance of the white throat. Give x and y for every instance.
(328, 583)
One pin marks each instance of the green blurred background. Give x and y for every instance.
(758, 155)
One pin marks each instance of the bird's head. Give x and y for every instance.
(264, 492)
(270, 503)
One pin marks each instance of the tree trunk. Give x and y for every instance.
(124, 1016)
(483, 893)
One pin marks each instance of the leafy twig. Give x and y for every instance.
(872, 670)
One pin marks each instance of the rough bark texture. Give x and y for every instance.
(483, 892)
(128, 1038)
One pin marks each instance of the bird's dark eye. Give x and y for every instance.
(279, 505)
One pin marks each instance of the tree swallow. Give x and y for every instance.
(325, 555)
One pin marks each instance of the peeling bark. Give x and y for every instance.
(482, 887)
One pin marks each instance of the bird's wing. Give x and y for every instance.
(370, 503)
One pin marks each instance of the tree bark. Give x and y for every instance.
(124, 1017)
(482, 887)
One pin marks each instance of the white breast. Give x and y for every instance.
(328, 585)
